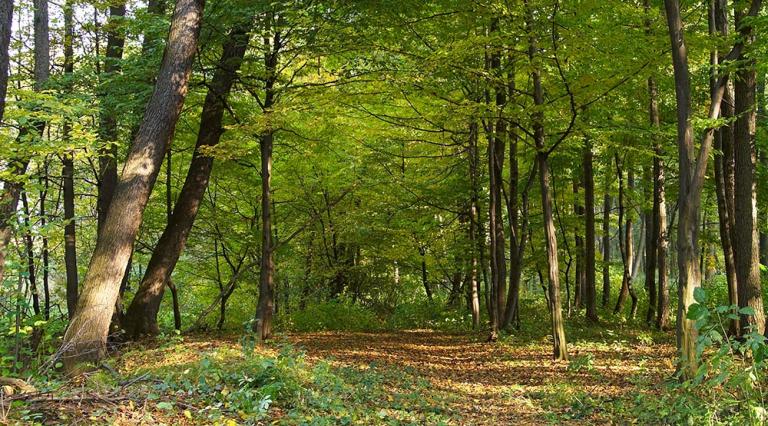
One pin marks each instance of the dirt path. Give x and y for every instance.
(503, 383)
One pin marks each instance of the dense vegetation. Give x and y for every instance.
(383, 212)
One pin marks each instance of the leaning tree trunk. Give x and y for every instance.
(746, 237)
(141, 317)
(85, 339)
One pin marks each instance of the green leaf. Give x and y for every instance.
(696, 312)
(747, 310)
(699, 295)
(165, 405)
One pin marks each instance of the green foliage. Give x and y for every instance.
(729, 385)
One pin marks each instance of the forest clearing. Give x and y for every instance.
(322, 212)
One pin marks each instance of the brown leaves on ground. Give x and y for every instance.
(501, 383)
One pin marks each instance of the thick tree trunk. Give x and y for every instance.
(590, 296)
(693, 167)
(746, 238)
(141, 317)
(85, 339)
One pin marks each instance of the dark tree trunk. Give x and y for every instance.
(693, 167)
(68, 178)
(141, 317)
(625, 241)
(590, 288)
(606, 245)
(424, 280)
(746, 237)
(6, 23)
(45, 250)
(108, 117)
(650, 247)
(266, 304)
(580, 275)
(29, 251)
(85, 339)
(659, 214)
(723, 162)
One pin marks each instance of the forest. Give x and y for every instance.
(330, 212)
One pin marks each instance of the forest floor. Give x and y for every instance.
(325, 378)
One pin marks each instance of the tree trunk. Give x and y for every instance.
(141, 317)
(625, 242)
(746, 238)
(474, 225)
(589, 231)
(85, 339)
(580, 276)
(29, 251)
(68, 178)
(559, 344)
(45, 250)
(693, 167)
(6, 23)
(723, 144)
(606, 245)
(424, 281)
(108, 114)
(266, 304)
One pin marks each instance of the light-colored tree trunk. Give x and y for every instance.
(86, 336)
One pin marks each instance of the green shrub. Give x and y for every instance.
(729, 385)
(333, 316)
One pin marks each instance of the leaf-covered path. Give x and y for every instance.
(510, 382)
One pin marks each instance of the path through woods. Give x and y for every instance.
(504, 383)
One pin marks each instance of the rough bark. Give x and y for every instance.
(141, 317)
(745, 233)
(693, 167)
(85, 339)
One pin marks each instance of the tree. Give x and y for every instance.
(141, 317)
(86, 336)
